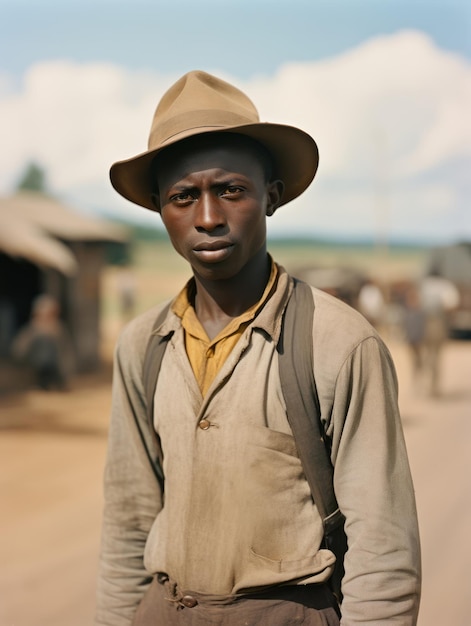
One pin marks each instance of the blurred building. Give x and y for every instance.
(45, 247)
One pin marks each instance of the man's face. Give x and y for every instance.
(213, 200)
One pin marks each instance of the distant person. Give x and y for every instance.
(371, 302)
(126, 293)
(208, 516)
(44, 345)
(414, 324)
(439, 296)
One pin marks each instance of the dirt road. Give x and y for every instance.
(52, 449)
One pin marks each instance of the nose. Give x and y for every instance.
(209, 214)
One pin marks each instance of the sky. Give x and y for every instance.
(384, 87)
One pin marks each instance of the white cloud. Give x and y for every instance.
(400, 91)
(392, 114)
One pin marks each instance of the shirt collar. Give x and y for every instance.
(270, 307)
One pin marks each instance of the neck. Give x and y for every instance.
(217, 302)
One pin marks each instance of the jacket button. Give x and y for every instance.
(204, 424)
(189, 601)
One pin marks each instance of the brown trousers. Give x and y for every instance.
(307, 605)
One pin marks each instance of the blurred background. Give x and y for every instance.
(385, 89)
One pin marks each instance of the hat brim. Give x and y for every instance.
(294, 152)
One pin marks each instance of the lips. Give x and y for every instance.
(213, 251)
(212, 246)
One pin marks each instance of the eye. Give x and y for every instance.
(182, 198)
(231, 191)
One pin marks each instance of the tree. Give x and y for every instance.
(33, 179)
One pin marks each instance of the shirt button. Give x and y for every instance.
(189, 601)
(162, 578)
(204, 424)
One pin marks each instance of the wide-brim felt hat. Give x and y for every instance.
(200, 103)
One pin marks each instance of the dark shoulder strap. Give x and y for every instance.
(150, 372)
(302, 404)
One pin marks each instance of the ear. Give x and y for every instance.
(155, 201)
(274, 194)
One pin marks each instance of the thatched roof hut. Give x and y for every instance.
(46, 247)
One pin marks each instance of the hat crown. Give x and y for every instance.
(196, 101)
(199, 103)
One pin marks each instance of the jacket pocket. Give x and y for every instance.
(311, 564)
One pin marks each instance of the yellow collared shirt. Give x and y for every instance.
(207, 356)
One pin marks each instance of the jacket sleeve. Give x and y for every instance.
(131, 492)
(374, 490)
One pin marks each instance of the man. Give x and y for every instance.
(45, 345)
(231, 535)
(439, 296)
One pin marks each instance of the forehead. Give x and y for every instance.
(216, 151)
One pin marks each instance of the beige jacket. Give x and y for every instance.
(237, 511)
